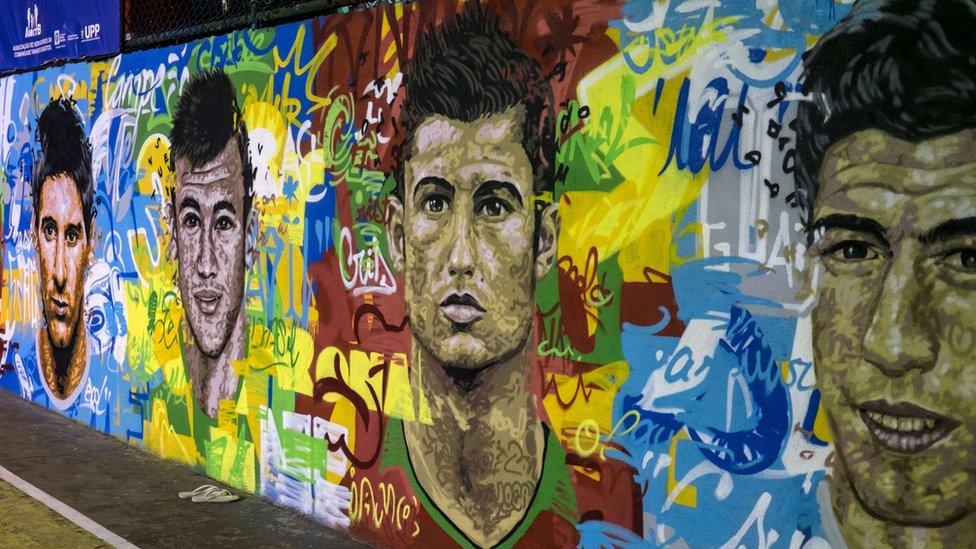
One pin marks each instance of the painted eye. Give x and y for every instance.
(71, 237)
(224, 224)
(962, 259)
(191, 221)
(435, 204)
(494, 208)
(49, 232)
(852, 250)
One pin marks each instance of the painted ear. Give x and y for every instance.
(395, 233)
(546, 240)
(251, 238)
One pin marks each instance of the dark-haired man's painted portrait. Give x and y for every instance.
(62, 189)
(472, 231)
(213, 225)
(889, 176)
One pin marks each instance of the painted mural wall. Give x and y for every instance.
(592, 273)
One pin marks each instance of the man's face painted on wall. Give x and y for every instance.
(64, 247)
(895, 327)
(467, 239)
(211, 227)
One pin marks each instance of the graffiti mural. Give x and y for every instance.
(602, 273)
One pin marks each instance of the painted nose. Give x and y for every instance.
(207, 263)
(900, 338)
(60, 266)
(461, 262)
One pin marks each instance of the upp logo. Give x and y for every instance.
(90, 32)
(33, 28)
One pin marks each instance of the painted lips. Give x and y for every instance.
(207, 300)
(905, 428)
(60, 307)
(462, 308)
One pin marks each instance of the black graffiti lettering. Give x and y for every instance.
(780, 91)
(789, 162)
(791, 199)
(773, 129)
(755, 157)
(773, 188)
(737, 115)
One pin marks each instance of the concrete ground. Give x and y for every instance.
(125, 490)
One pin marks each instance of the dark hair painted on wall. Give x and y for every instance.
(65, 150)
(468, 68)
(206, 117)
(906, 67)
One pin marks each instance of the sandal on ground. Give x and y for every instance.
(215, 495)
(197, 492)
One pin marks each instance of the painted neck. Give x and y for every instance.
(465, 399)
(65, 366)
(214, 378)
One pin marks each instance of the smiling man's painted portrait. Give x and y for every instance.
(887, 145)
(213, 225)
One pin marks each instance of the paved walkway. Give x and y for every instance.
(126, 491)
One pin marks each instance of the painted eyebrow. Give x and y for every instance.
(48, 219)
(189, 203)
(965, 226)
(75, 226)
(489, 188)
(854, 223)
(224, 205)
(435, 181)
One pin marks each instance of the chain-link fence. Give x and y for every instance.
(148, 23)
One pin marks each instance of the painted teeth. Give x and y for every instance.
(903, 424)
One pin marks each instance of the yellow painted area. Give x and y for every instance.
(354, 372)
(264, 118)
(821, 428)
(163, 440)
(391, 51)
(688, 496)
(230, 459)
(293, 57)
(636, 218)
(343, 414)
(152, 164)
(594, 391)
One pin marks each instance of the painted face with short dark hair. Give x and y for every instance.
(895, 326)
(468, 223)
(210, 228)
(63, 245)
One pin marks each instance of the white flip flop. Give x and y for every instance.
(198, 491)
(215, 495)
